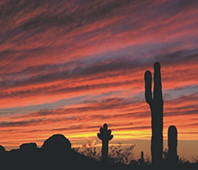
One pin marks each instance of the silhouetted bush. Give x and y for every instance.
(121, 154)
(90, 152)
(117, 154)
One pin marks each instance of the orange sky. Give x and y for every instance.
(71, 67)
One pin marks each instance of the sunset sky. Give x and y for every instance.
(70, 66)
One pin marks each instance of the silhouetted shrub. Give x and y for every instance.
(117, 154)
(121, 154)
(90, 152)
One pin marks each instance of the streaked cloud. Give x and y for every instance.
(71, 66)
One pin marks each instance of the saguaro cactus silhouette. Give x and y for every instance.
(105, 136)
(172, 145)
(156, 107)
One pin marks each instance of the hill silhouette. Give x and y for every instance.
(55, 153)
(56, 146)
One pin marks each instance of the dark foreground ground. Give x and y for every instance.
(56, 154)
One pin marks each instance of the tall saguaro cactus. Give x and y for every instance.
(172, 145)
(105, 136)
(156, 107)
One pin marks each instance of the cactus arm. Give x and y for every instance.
(99, 136)
(110, 137)
(157, 82)
(101, 130)
(109, 132)
(148, 86)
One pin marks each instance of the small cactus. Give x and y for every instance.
(156, 107)
(141, 160)
(172, 145)
(105, 136)
(142, 156)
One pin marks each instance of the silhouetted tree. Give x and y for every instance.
(172, 145)
(105, 136)
(156, 106)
